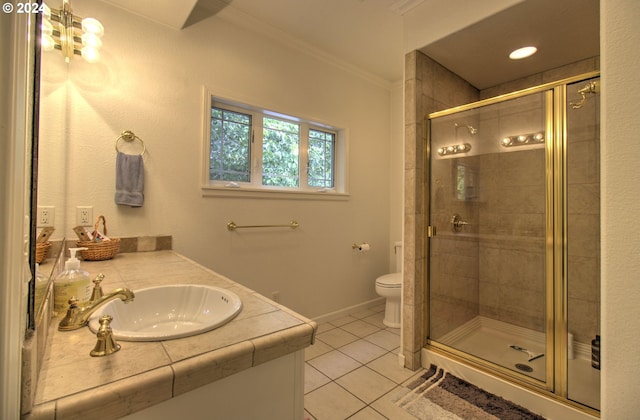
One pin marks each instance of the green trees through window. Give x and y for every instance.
(280, 159)
(230, 155)
(265, 151)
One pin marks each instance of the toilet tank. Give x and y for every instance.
(398, 252)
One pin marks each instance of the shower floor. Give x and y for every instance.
(490, 340)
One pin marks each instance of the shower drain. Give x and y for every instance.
(523, 367)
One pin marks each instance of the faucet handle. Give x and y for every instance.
(97, 289)
(71, 313)
(106, 344)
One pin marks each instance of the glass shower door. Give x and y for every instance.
(488, 201)
(583, 239)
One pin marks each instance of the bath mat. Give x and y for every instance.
(437, 394)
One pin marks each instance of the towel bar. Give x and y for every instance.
(232, 226)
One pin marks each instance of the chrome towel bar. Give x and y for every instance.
(232, 226)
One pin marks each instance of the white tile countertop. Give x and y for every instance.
(72, 384)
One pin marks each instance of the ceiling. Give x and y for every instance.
(471, 38)
(564, 31)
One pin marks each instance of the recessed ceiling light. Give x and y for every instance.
(522, 53)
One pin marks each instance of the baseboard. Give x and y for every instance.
(349, 310)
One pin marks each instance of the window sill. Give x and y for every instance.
(248, 192)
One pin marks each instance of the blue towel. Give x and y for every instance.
(129, 180)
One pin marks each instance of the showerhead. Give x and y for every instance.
(472, 130)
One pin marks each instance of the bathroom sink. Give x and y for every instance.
(168, 312)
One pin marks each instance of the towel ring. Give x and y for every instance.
(130, 136)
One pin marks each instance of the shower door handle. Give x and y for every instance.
(457, 223)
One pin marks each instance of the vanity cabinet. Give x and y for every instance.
(251, 367)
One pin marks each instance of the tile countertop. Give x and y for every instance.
(72, 384)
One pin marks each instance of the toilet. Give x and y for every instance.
(389, 286)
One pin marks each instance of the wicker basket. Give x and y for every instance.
(99, 250)
(42, 249)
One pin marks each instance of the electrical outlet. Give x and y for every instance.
(84, 216)
(46, 216)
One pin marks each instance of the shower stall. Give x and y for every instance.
(513, 226)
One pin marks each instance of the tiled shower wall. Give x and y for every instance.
(429, 87)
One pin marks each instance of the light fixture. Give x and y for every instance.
(521, 53)
(454, 149)
(70, 34)
(523, 139)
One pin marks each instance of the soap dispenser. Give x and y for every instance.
(71, 282)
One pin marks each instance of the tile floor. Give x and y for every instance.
(351, 367)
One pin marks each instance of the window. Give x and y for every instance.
(230, 155)
(251, 149)
(321, 158)
(280, 153)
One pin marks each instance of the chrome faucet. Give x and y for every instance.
(79, 317)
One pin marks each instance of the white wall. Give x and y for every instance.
(150, 80)
(620, 166)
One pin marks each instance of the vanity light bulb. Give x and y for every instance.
(451, 149)
(462, 148)
(91, 40)
(506, 141)
(47, 42)
(441, 151)
(539, 137)
(93, 26)
(522, 139)
(46, 11)
(47, 27)
(90, 54)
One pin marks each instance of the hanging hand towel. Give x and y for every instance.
(129, 180)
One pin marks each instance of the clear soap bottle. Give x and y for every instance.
(71, 282)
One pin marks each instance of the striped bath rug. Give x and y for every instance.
(438, 395)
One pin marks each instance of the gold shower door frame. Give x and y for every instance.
(556, 255)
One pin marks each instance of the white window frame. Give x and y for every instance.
(254, 187)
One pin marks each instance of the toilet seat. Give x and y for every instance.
(390, 281)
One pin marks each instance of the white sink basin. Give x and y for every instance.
(168, 312)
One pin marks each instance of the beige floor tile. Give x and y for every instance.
(385, 339)
(360, 328)
(363, 313)
(332, 402)
(389, 409)
(363, 351)
(388, 366)
(366, 384)
(338, 385)
(367, 413)
(379, 308)
(324, 327)
(334, 364)
(344, 320)
(395, 331)
(376, 320)
(313, 378)
(317, 349)
(337, 337)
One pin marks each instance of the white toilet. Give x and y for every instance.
(389, 286)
